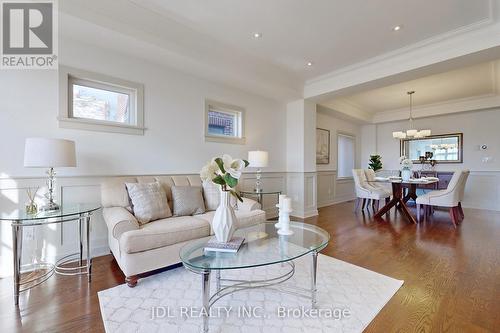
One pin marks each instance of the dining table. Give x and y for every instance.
(399, 198)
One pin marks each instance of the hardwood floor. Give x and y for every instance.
(452, 276)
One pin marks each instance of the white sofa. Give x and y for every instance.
(139, 249)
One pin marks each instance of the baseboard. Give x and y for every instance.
(335, 202)
(306, 214)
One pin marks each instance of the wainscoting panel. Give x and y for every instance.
(326, 188)
(332, 190)
(272, 182)
(483, 190)
(301, 187)
(51, 242)
(310, 192)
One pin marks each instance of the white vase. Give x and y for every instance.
(224, 219)
(406, 174)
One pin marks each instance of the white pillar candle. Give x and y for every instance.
(280, 200)
(287, 204)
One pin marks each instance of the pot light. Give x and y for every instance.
(396, 28)
(309, 63)
(257, 35)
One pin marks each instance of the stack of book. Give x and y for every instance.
(232, 246)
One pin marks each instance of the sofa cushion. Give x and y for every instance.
(211, 194)
(244, 218)
(114, 193)
(164, 232)
(149, 201)
(188, 200)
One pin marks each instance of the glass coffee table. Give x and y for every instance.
(262, 247)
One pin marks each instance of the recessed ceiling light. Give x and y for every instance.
(396, 28)
(257, 35)
(309, 64)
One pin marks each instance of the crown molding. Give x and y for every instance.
(345, 109)
(475, 103)
(464, 41)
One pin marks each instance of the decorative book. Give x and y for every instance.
(232, 246)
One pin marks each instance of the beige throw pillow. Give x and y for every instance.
(211, 193)
(188, 200)
(149, 201)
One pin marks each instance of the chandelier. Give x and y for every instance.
(411, 132)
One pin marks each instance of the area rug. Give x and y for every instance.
(349, 297)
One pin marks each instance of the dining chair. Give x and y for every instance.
(365, 191)
(370, 177)
(450, 197)
(465, 176)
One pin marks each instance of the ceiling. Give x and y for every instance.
(215, 38)
(474, 81)
(330, 33)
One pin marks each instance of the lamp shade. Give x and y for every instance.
(411, 132)
(426, 132)
(49, 153)
(258, 158)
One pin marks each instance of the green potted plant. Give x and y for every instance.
(375, 162)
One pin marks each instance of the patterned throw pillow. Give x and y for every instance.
(149, 201)
(188, 200)
(211, 194)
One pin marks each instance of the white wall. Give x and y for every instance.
(173, 142)
(330, 189)
(174, 117)
(479, 127)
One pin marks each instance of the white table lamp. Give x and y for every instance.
(258, 159)
(49, 153)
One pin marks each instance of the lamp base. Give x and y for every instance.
(50, 207)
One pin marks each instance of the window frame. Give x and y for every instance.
(211, 105)
(70, 76)
(350, 135)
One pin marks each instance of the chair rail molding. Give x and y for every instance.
(55, 241)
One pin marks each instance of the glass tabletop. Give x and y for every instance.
(65, 211)
(422, 181)
(262, 246)
(263, 192)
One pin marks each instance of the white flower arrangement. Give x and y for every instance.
(406, 163)
(224, 171)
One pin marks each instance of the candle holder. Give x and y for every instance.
(280, 217)
(285, 223)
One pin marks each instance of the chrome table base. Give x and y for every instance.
(226, 287)
(60, 266)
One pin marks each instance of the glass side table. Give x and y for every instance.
(68, 213)
(259, 195)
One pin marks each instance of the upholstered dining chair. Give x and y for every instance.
(370, 177)
(450, 197)
(465, 176)
(365, 191)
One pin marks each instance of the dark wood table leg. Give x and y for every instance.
(397, 199)
(412, 193)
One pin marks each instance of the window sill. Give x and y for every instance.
(101, 126)
(222, 139)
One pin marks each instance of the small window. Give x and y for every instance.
(346, 155)
(97, 102)
(224, 123)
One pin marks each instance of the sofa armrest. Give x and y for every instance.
(119, 220)
(248, 205)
